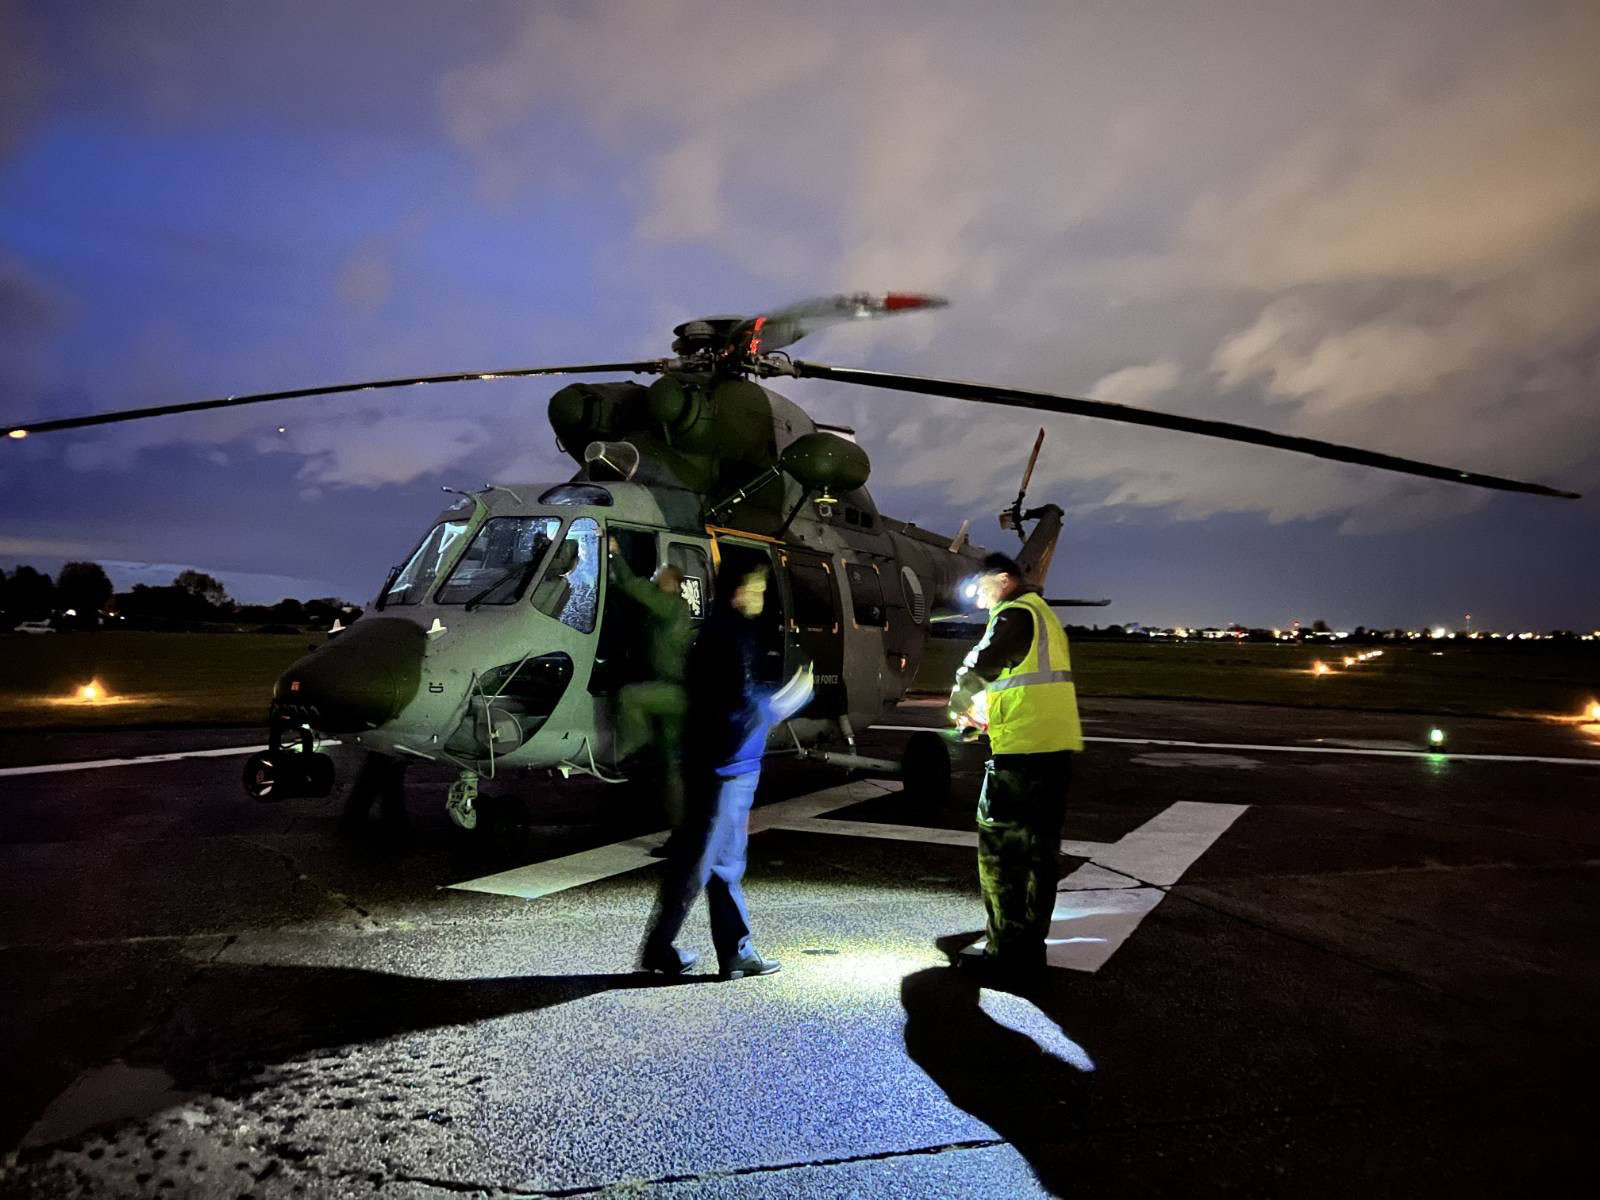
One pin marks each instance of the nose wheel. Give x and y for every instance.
(461, 801)
(283, 772)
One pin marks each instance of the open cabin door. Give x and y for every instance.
(743, 552)
(812, 621)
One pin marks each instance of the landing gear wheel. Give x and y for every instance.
(273, 775)
(317, 771)
(461, 801)
(925, 767)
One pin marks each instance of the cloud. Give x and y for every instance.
(1376, 225)
(1136, 385)
(364, 451)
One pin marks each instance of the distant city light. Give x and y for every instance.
(1439, 631)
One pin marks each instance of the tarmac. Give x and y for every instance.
(1295, 953)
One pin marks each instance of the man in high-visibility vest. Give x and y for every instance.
(1017, 684)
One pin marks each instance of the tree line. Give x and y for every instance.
(81, 596)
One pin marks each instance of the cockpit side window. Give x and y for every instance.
(570, 588)
(500, 562)
(412, 583)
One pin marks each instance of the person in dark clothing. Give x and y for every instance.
(1017, 684)
(650, 711)
(729, 716)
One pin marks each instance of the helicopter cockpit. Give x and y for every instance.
(520, 585)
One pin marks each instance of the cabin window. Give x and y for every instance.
(583, 494)
(813, 596)
(500, 562)
(696, 590)
(411, 584)
(866, 596)
(570, 588)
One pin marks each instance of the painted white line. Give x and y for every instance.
(1431, 754)
(575, 870)
(100, 764)
(1100, 904)
(1167, 845)
(1357, 751)
(1088, 927)
(918, 833)
(591, 866)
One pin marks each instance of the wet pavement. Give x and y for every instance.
(1300, 954)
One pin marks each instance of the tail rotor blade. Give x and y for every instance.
(1032, 461)
(787, 325)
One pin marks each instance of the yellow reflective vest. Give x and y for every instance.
(1033, 706)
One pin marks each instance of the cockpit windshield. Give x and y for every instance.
(500, 562)
(411, 583)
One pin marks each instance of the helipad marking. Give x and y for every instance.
(1097, 906)
(1366, 752)
(591, 866)
(1091, 919)
(100, 764)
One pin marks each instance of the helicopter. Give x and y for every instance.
(496, 644)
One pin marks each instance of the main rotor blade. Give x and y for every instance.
(1227, 430)
(654, 366)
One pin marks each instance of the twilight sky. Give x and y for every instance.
(1373, 222)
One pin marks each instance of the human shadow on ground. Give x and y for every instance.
(1032, 1097)
(230, 1027)
(232, 1019)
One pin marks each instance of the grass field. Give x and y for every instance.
(226, 679)
(152, 678)
(1476, 678)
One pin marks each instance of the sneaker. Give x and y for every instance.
(751, 964)
(670, 961)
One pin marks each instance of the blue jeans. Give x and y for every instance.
(709, 855)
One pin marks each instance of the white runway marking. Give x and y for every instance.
(575, 870)
(1358, 751)
(1099, 905)
(591, 866)
(100, 764)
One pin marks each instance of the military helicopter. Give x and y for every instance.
(495, 646)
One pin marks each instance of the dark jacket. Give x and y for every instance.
(668, 630)
(730, 714)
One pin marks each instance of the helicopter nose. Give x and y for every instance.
(358, 680)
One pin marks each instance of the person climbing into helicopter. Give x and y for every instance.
(1017, 684)
(650, 711)
(729, 716)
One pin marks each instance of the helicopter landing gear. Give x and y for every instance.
(380, 780)
(461, 802)
(288, 772)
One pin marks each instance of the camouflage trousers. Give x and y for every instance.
(1020, 810)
